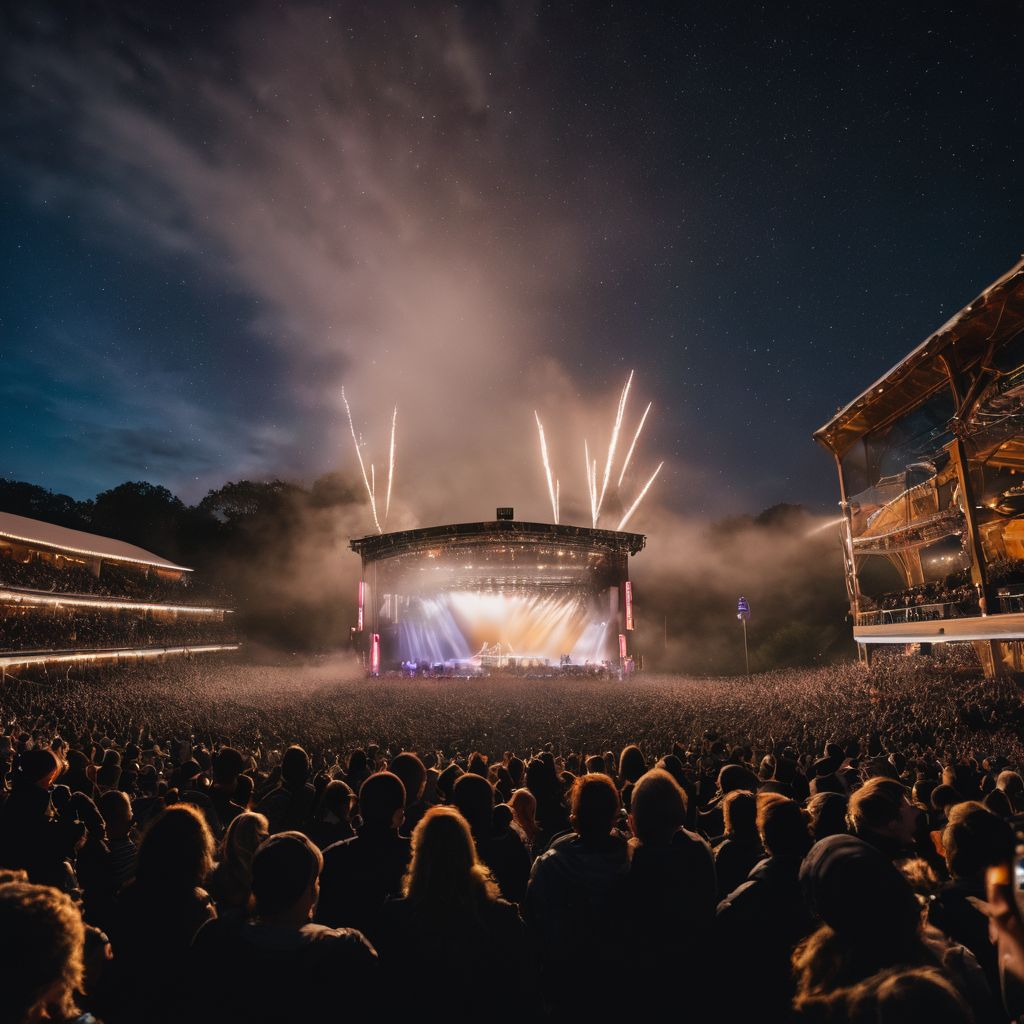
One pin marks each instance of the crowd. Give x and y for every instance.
(216, 841)
(955, 589)
(30, 629)
(114, 580)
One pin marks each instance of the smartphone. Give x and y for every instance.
(1018, 877)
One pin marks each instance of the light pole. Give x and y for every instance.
(743, 613)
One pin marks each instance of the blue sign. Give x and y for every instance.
(742, 609)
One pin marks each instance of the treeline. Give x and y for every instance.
(281, 551)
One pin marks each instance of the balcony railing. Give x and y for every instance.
(1011, 599)
(921, 613)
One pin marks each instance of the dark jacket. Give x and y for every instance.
(758, 925)
(440, 963)
(359, 875)
(667, 924)
(31, 839)
(508, 858)
(956, 913)
(288, 808)
(734, 860)
(262, 974)
(571, 909)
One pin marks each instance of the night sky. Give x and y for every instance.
(216, 215)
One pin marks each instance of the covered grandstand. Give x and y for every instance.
(501, 594)
(68, 596)
(930, 461)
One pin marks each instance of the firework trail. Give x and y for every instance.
(636, 437)
(391, 465)
(558, 496)
(362, 465)
(547, 466)
(591, 483)
(613, 443)
(640, 497)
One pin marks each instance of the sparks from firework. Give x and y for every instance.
(640, 497)
(636, 437)
(362, 465)
(596, 496)
(591, 482)
(614, 440)
(391, 465)
(547, 466)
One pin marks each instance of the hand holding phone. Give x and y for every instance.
(1005, 892)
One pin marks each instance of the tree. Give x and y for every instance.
(34, 502)
(141, 513)
(244, 500)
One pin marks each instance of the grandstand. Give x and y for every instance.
(928, 460)
(68, 596)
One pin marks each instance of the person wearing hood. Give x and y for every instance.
(871, 921)
(571, 896)
(762, 921)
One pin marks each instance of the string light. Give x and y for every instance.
(36, 543)
(54, 658)
(56, 600)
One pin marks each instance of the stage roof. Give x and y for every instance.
(36, 533)
(995, 316)
(462, 535)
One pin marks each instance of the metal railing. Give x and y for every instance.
(1010, 600)
(919, 613)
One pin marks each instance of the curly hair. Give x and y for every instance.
(41, 942)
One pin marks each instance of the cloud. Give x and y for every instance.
(393, 198)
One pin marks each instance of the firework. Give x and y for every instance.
(640, 497)
(614, 440)
(591, 483)
(636, 437)
(547, 467)
(391, 464)
(362, 465)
